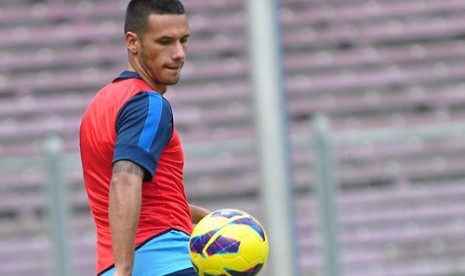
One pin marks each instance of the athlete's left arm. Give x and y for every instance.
(197, 213)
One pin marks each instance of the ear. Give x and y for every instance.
(132, 42)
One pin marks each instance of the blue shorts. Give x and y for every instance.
(185, 272)
(167, 254)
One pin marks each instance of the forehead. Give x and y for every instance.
(171, 25)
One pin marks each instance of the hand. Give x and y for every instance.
(198, 213)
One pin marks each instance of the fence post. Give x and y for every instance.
(58, 207)
(327, 187)
(272, 136)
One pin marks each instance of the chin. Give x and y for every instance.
(172, 81)
(168, 81)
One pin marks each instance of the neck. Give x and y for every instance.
(143, 74)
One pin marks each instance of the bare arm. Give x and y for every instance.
(197, 213)
(124, 211)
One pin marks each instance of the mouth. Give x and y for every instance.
(174, 67)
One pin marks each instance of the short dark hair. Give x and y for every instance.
(138, 12)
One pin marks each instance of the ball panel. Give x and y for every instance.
(251, 271)
(252, 223)
(227, 213)
(199, 242)
(223, 245)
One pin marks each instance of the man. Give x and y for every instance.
(131, 154)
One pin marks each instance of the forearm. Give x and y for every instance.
(197, 213)
(124, 211)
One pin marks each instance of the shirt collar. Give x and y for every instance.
(128, 75)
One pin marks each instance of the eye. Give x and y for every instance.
(184, 40)
(164, 42)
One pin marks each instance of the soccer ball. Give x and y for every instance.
(228, 242)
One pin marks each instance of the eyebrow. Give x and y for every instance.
(171, 37)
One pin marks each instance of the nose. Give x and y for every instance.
(179, 52)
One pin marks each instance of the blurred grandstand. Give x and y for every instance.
(365, 64)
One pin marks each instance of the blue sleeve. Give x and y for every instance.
(144, 127)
